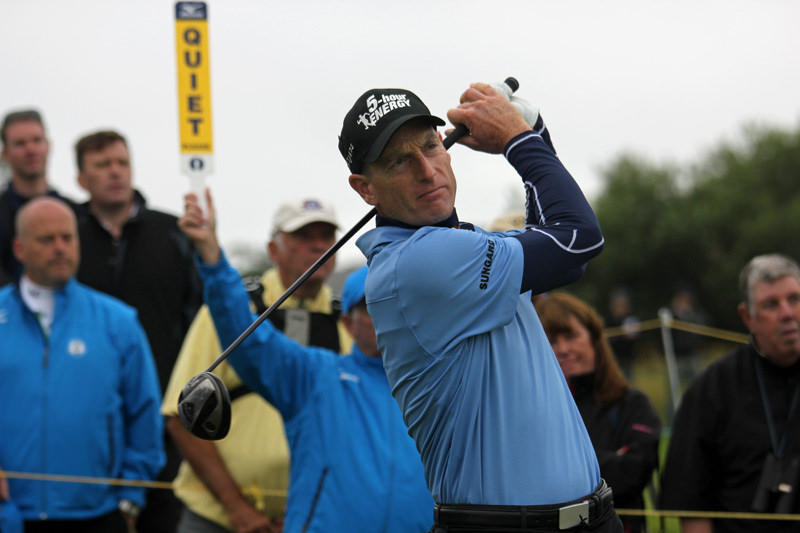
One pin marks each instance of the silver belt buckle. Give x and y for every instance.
(573, 515)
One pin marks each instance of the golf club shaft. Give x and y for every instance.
(299, 281)
(448, 141)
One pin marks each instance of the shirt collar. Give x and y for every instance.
(449, 222)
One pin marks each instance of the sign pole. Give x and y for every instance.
(194, 95)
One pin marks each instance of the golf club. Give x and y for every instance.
(204, 405)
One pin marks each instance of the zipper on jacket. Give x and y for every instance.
(111, 449)
(45, 366)
(315, 500)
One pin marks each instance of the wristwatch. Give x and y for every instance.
(129, 508)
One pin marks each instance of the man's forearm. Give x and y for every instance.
(696, 525)
(554, 197)
(4, 493)
(208, 465)
(563, 227)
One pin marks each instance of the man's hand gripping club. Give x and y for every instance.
(491, 118)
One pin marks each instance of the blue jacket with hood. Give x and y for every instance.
(82, 402)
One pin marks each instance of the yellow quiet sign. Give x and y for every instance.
(194, 87)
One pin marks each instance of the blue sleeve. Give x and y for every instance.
(143, 453)
(281, 370)
(471, 289)
(563, 233)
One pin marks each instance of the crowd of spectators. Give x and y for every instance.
(102, 321)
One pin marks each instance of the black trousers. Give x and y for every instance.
(112, 522)
(162, 508)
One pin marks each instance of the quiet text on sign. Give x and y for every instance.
(194, 88)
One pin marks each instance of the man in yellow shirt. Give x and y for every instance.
(239, 483)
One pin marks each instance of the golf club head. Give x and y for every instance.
(204, 407)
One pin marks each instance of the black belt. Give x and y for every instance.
(587, 510)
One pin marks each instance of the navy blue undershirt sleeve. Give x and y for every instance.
(563, 233)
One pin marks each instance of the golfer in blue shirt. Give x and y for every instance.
(501, 440)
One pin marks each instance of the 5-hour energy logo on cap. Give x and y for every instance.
(377, 109)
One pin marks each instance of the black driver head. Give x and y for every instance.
(204, 407)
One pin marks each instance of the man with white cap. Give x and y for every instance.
(239, 484)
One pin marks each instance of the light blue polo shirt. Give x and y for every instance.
(472, 370)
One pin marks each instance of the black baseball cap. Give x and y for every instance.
(372, 121)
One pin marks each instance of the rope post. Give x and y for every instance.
(665, 316)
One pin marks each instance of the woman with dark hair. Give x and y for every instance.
(621, 421)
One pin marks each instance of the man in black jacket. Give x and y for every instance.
(140, 256)
(735, 442)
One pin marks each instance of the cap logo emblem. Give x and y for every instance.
(377, 109)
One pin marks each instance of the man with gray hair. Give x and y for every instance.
(239, 483)
(735, 443)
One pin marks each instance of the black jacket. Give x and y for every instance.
(625, 437)
(720, 439)
(151, 267)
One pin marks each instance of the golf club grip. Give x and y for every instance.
(462, 130)
(454, 135)
(448, 141)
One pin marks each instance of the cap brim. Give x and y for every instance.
(382, 140)
(311, 218)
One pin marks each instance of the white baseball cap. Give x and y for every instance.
(292, 216)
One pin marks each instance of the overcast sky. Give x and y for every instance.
(667, 80)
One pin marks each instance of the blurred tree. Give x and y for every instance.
(636, 210)
(697, 231)
(745, 201)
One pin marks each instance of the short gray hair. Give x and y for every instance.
(768, 268)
